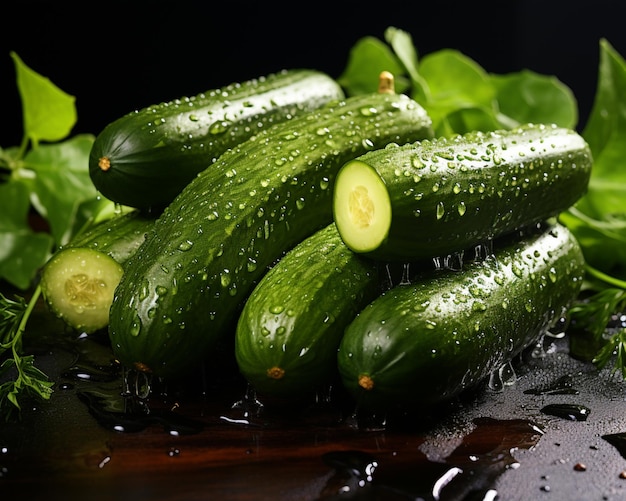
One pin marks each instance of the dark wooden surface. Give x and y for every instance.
(208, 440)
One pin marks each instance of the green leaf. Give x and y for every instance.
(605, 132)
(366, 60)
(603, 242)
(61, 182)
(49, 113)
(22, 251)
(455, 82)
(528, 97)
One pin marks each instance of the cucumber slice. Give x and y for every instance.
(364, 209)
(78, 287)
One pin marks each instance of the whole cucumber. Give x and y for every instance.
(423, 343)
(145, 158)
(289, 331)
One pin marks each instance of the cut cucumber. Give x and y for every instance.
(79, 285)
(78, 282)
(433, 198)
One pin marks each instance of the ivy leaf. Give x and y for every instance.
(61, 182)
(49, 114)
(22, 251)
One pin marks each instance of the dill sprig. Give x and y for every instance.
(21, 378)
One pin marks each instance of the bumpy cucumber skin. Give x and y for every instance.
(448, 194)
(290, 327)
(185, 286)
(119, 237)
(154, 152)
(422, 344)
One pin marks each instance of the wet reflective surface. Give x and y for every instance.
(555, 431)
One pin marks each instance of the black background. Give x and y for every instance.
(115, 57)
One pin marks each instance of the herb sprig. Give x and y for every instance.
(29, 381)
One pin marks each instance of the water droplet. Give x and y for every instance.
(185, 245)
(440, 210)
(135, 326)
(219, 127)
(552, 275)
(573, 412)
(225, 278)
(369, 111)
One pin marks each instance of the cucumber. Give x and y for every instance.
(421, 344)
(79, 280)
(119, 236)
(186, 285)
(290, 327)
(146, 157)
(435, 198)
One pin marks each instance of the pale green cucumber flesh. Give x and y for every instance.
(361, 207)
(78, 286)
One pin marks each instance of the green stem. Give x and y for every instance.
(16, 342)
(616, 282)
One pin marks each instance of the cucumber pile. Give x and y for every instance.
(340, 244)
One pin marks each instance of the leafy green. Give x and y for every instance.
(29, 381)
(49, 113)
(45, 182)
(603, 208)
(598, 220)
(458, 94)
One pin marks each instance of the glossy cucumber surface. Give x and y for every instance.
(188, 282)
(434, 198)
(291, 325)
(424, 343)
(146, 157)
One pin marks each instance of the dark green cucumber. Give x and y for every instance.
(422, 344)
(79, 280)
(119, 236)
(146, 157)
(186, 285)
(290, 327)
(434, 198)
